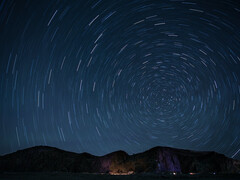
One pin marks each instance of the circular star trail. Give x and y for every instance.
(99, 76)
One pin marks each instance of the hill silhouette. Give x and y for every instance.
(155, 160)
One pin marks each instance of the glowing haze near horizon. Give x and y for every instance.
(100, 76)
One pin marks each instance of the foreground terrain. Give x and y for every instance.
(78, 176)
(157, 160)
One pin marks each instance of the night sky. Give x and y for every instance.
(100, 76)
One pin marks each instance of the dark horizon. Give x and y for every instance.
(45, 146)
(98, 76)
(156, 161)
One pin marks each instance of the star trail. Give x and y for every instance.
(99, 76)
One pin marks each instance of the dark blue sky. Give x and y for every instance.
(99, 76)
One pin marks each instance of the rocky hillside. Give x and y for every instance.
(155, 160)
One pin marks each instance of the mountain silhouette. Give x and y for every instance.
(155, 160)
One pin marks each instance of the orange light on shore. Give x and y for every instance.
(121, 173)
(192, 173)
